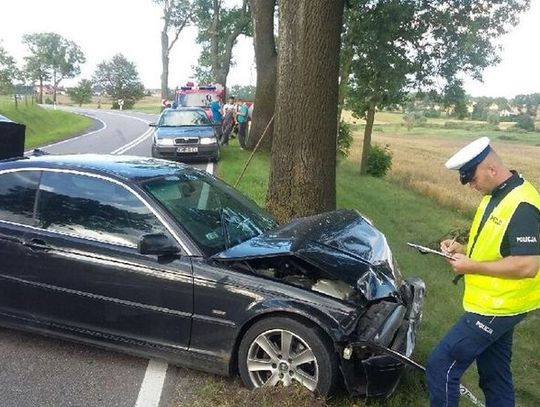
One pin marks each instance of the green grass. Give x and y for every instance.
(44, 126)
(404, 215)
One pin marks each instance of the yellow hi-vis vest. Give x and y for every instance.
(488, 295)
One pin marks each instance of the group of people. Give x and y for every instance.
(232, 115)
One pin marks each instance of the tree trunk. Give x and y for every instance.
(164, 64)
(366, 145)
(41, 90)
(345, 70)
(221, 64)
(55, 84)
(262, 12)
(303, 161)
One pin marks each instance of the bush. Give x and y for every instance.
(344, 139)
(525, 122)
(493, 118)
(379, 161)
(432, 114)
(463, 125)
(414, 119)
(507, 137)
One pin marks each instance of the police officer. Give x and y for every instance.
(500, 265)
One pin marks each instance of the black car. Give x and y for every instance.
(160, 259)
(185, 133)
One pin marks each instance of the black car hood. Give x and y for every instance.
(342, 244)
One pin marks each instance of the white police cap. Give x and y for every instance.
(467, 159)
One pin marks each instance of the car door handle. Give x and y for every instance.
(37, 245)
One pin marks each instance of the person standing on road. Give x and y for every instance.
(500, 265)
(216, 106)
(242, 119)
(229, 111)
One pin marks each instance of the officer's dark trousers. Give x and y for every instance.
(486, 339)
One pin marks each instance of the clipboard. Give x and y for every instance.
(426, 250)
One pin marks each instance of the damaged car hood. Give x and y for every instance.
(342, 244)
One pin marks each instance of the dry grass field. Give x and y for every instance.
(418, 161)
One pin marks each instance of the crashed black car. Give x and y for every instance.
(159, 259)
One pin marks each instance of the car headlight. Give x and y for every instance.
(208, 140)
(165, 142)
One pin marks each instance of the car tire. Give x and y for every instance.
(154, 154)
(264, 361)
(215, 158)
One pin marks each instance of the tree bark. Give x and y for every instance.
(164, 63)
(303, 161)
(262, 17)
(366, 145)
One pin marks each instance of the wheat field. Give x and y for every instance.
(418, 162)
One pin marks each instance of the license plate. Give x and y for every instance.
(187, 149)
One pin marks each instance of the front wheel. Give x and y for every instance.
(280, 351)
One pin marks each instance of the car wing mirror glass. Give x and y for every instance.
(158, 244)
(152, 124)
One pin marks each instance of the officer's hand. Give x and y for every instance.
(452, 247)
(461, 264)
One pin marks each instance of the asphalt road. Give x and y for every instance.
(39, 371)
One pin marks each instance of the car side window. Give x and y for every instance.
(17, 195)
(93, 208)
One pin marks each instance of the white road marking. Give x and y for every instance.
(152, 384)
(75, 138)
(133, 143)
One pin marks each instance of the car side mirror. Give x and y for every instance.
(152, 125)
(158, 244)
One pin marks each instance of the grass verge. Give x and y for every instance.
(44, 125)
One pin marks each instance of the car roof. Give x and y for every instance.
(183, 109)
(133, 168)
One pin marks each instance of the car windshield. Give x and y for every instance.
(195, 99)
(213, 213)
(184, 118)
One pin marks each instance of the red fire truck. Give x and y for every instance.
(192, 95)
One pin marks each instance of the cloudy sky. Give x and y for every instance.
(103, 28)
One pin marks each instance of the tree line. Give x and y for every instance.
(313, 58)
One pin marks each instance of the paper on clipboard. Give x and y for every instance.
(424, 250)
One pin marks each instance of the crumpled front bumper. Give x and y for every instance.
(369, 370)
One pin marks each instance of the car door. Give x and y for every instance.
(86, 273)
(17, 197)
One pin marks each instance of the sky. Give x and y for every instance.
(103, 28)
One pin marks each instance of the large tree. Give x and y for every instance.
(262, 18)
(404, 43)
(527, 103)
(219, 28)
(34, 70)
(303, 160)
(82, 93)
(54, 55)
(120, 81)
(176, 16)
(8, 72)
